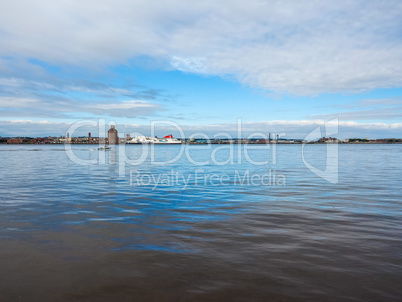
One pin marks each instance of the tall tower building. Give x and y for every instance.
(112, 136)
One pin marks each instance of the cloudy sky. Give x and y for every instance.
(279, 66)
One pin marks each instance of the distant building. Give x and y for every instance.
(112, 136)
(328, 140)
(14, 141)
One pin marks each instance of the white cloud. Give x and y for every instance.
(197, 65)
(11, 102)
(302, 47)
(386, 113)
(133, 104)
(59, 108)
(22, 83)
(131, 108)
(379, 102)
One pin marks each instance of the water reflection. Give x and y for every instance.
(84, 233)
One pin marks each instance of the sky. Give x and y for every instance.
(284, 67)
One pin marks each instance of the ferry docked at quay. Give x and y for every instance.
(168, 139)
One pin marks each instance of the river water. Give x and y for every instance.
(199, 223)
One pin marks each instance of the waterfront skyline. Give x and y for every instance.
(281, 67)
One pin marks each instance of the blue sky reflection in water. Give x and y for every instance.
(73, 232)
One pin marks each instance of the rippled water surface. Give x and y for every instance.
(195, 229)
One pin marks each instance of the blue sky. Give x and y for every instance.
(278, 66)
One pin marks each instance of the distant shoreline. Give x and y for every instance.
(79, 140)
(221, 143)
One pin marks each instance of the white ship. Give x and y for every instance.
(141, 140)
(168, 139)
